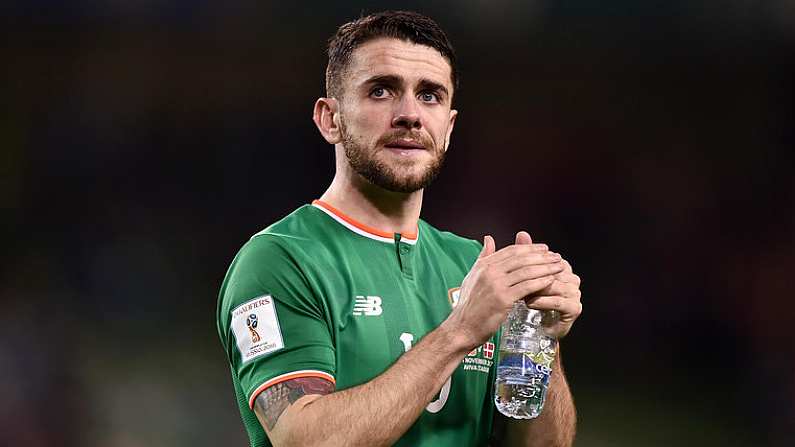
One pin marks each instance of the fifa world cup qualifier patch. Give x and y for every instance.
(256, 328)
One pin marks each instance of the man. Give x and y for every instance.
(353, 322)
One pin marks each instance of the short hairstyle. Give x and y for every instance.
(404, 25)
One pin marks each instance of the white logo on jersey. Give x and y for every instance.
(369, 306)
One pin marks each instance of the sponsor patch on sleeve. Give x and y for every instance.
(256, 328)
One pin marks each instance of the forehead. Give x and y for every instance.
(388, 56)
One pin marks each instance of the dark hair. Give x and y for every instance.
(405, 25)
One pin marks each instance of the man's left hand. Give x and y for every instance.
(562, 296)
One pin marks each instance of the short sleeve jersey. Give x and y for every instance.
(318, 294)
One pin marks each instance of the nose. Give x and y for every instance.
(407, 115)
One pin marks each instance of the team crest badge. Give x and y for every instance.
(454, 295)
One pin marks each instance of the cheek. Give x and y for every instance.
(370, 122)
(368, 125)
(439, 119)
(439, 132)
(374, 113)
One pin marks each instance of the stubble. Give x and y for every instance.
(397, 178)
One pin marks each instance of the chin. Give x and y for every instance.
(406, 183)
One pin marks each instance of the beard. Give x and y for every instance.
(397, 178)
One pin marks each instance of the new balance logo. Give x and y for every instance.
(369, 306)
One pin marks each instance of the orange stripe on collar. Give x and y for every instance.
(361, 226)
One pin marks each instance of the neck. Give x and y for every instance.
(389, 211)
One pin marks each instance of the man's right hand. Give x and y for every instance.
(498, 279)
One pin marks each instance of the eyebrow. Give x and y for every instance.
(426, 84)
(394, 81)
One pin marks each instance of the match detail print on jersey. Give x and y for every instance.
(256, 328)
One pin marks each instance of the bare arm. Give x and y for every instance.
(382, 410)
(557, 423)
(272, 402)
(375, 413)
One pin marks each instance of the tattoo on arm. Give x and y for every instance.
(272, 402)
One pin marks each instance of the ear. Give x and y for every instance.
(453, 115)
(326, 118)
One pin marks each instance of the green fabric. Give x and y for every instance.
(313, 268)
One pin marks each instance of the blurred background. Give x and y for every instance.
(651, 143)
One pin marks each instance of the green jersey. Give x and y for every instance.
(318, 294)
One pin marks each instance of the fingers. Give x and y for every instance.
(530, 286)
(534, 258)
(533, 272)
(526, 262)
(513, 250)
(524, 253)
(567, 276)
(564, 297)
(523, 238)
(564, 289)
(488, 247)
(568, 308)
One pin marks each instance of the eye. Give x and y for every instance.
(379, 92)
(431, 97)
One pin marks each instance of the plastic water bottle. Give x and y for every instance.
(526, 355)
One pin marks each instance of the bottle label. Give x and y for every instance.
(520, 367)
(543, 362)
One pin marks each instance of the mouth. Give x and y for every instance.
(404, 145)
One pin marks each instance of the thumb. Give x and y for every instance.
(488, 246)
(523, 238)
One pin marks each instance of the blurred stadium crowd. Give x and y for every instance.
(649, 142)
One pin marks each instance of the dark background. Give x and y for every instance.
(649, 142)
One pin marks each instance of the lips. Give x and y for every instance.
(404, 144)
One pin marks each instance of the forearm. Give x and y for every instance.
(380, 411)
(556, 425)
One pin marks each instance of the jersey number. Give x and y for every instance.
(436, 405)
